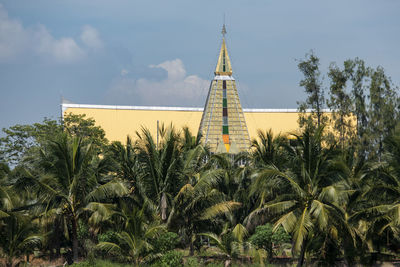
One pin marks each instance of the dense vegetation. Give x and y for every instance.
(327, 193)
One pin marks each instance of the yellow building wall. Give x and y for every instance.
(118, 123)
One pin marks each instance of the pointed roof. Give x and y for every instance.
(224, 64)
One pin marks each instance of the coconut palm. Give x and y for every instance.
(134, 241)
(269, 149)
(161, 167)
(230, 244)
(20, 237)
(314, 190)
(73, 176)
(235, 181)
(198, 202)
(383, 207)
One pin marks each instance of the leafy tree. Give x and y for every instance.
(382, 110)
(358, 75)
(265, 238)
(312, 84)
(20, 139)
(341, 106)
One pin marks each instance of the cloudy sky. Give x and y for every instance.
(132, 52)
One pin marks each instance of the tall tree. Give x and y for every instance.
(314, 89)
(161, 168)
(309, 204)
(340, 104)
(382, 110)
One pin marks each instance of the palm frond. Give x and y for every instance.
(220, 208)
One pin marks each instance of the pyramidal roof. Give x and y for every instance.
(223, 125)
(224, 64)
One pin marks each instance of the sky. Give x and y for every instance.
(131, 52)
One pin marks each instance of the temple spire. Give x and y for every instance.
(223, 125)
(224, 64)
(223, 30)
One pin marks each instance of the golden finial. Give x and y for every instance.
(223, 30)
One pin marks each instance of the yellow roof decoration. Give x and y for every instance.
(234, 149)
(221, 148)
(224, 64)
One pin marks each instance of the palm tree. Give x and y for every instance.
(383, 193)
(230, 244)
(134, 240)
(19, 237)
(269, 149)
(161, 167)
(313, 191)
(73, 176)
(6, 203)
(198, 202)
(235, 181)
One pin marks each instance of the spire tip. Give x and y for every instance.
(223, 30)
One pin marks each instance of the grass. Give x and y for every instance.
(100, 263)
(105, 263)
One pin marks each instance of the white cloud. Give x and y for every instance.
(176, 89)
(62, 50)
(17, 40)
(91, 38)
(13, 37)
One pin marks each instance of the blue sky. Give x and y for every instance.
(132, 52)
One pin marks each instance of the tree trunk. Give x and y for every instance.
(75, 239)
(191, 248)
(163, 206)
(302, 253)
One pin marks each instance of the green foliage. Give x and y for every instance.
(83, 231)
(20, 140)
(166, 242)
(192, 262)
(109, 236)
(170, 258)
(71, 191)
(315, 92)
(99, 263)
(264, 237)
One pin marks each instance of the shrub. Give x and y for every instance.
(171, 258)
(264, 237)
(109, 236)
(166, 242)
(192, 262)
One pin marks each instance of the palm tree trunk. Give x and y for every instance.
(191, 248)
(163, 206)
(75, 239)
(302, 253)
